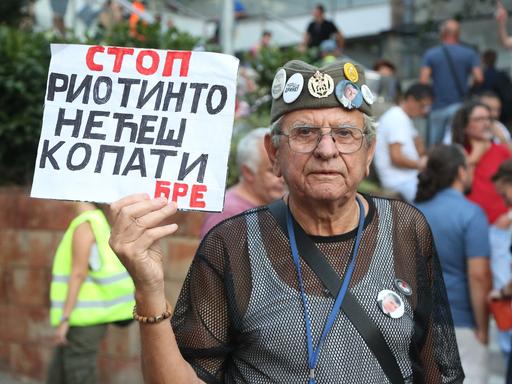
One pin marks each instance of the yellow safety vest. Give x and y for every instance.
(107, 294)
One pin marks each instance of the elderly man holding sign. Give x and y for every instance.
(290, 292)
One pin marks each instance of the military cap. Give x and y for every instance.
(299, 85)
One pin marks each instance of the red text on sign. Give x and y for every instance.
(195, 194)
(147, 61)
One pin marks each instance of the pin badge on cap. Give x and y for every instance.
(390, 304)
(350, 72)
(403, 286)
(320, 85)
(367, 94)
(348, 94)
(293, 88)
(278, 83)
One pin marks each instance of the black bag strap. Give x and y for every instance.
(458, 85)
(315, 259)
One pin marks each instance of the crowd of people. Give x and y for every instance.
(415, 272)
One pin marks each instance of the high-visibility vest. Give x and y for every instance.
(107, 294)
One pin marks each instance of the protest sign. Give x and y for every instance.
(119, 121)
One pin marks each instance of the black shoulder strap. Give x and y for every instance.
(458, 85)
(330, 279)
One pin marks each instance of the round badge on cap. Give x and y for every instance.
(278, 83)
(348, 94)
(403, 286)
(367, 94)
(390, 304)
(320, 85)
(293, 88)
(350, 72)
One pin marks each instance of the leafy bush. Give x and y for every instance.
(266, 63)
(24, 58)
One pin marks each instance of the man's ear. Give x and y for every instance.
(272, 155)
(462, 173)
(369, 156)
(247, 173)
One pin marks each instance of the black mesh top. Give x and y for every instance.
(239, 317)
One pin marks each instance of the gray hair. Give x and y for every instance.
(369, 129)
(248, 151)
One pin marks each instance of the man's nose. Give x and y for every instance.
(326, 146)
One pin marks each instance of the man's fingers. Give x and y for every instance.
(125, 201)
(151, 236)
(141, 219)
(154, 218)
(130, 214)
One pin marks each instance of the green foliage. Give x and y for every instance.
(266, 63)
(24, 58)
(12, 11)
(152, 37)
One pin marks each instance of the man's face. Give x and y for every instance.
(267, 186)
(317, 13)
(350, 92)
(494, 104)
(504, 190)
(420, 108)
(389, 305)
(323, 174)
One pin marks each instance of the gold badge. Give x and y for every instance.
(350, 72)
(320, 85)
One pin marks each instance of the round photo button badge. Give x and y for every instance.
(348, 94)
(390, 304)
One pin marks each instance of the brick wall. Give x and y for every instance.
(30, 230)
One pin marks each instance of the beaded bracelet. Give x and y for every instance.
(152, 319)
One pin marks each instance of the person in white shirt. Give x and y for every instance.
(400, 149)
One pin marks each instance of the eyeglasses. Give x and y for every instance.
(304, 139)
(481, 119)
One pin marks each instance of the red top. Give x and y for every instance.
(483, 192)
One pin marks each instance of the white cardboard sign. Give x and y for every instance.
(119, 121)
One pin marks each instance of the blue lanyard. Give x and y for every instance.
(313, 353)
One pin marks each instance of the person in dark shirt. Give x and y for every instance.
(497, 81)
(321, 29)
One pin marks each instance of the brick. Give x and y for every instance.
(45, 214)
(30, 360)
(23, 324)
(172, 291)
(9, 201)
(8, 245)
(179, 254)
(122, 341)
(28, 286)
(34, 248)
(3, 285)
(119, 371)
(189, 223)
(4, 355)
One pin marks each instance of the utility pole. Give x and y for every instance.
(226, 27)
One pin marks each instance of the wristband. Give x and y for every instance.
(152, 319)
